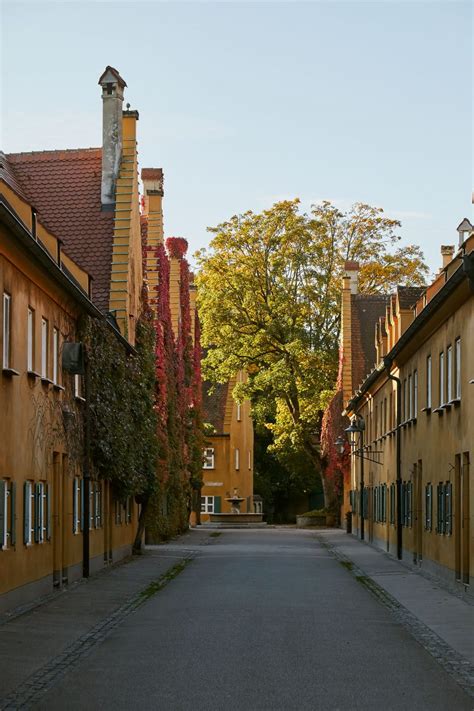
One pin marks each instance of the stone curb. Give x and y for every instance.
(457, 666)
(49, 674)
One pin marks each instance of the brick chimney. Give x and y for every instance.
(112, 99)
(447, 252)
(351, 270)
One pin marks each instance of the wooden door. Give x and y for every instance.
(466, 520)
(57, 520)
(418, 509)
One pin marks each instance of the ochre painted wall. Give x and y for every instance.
(435, 446)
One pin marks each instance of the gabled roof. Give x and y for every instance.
(109, 74)
(65, 188)
(214, 405)
(409, 295)
(7, 174)
(365, 313)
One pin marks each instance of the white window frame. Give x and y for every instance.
(78, 387)
(415, 393)
(77, 504)
(30, 342)
(208, 458)
(207, 504)
(7, 320)
(410, 397)
(442, 380)
(457, 362)
(429, 392)
(97, 486)
(44, 347)
(55, 355)
(405, 400)
(42, 512)
(449, 373)
(30, 495)
(6, 508)
(250, 459)
(237, 458)
(239, 412)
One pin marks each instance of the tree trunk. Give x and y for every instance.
(137, 544)
(196, 505)
(315, 456)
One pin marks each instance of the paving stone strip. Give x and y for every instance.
(25, 695)
(457, 666)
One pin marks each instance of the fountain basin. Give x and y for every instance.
(235, 520)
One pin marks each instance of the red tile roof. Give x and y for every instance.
(409, 295)
(9, 176)
(214, 405)
(64, 186)
(366, 311)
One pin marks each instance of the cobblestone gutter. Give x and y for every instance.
(459, 668)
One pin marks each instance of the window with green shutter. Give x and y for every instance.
(13, 513)
(428, 507)
(448, 508)
(3, 513)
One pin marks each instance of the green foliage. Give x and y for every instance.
(277, 479)
(123, 420)
(269, 298)
(315, 513)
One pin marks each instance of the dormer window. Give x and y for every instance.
(208, 458)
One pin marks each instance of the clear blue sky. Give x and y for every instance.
(245, 103)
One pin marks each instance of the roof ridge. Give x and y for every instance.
(54, 151)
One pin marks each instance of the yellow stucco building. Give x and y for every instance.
(70, 244)
(412, 491)
(228, 456)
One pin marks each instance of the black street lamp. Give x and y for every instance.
(357, 427)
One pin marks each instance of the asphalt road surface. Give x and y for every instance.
(263, 619)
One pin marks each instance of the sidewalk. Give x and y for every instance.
(55, 633)
(449, 618)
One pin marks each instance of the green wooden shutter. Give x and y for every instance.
(3, 522)
(37, 519)
(448, 511)
(13, 513)
(26, 512)
(81, 503)
(48, 512)
(74, 506)
(217, 504)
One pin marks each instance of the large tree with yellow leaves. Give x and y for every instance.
(269, 299)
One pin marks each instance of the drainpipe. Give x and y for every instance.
(388, 365)
(362, 511)
(86, 469)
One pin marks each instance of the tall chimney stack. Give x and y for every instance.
(112, 99)
(351, 270)
(447, 252)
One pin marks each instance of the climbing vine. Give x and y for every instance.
(122, 406)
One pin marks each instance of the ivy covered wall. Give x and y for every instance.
(178, 404)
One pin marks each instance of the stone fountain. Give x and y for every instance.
(235, 519)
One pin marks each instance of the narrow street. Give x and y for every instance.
(264, 619)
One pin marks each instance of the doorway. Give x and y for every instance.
(418, 510)
(58, 518)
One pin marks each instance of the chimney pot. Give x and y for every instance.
(351, 270)
(464, 230)
(447, 251)
(112, 100)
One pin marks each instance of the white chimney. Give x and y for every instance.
(447, 252)
(464, 230)
(351, 270)
(112, 99)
